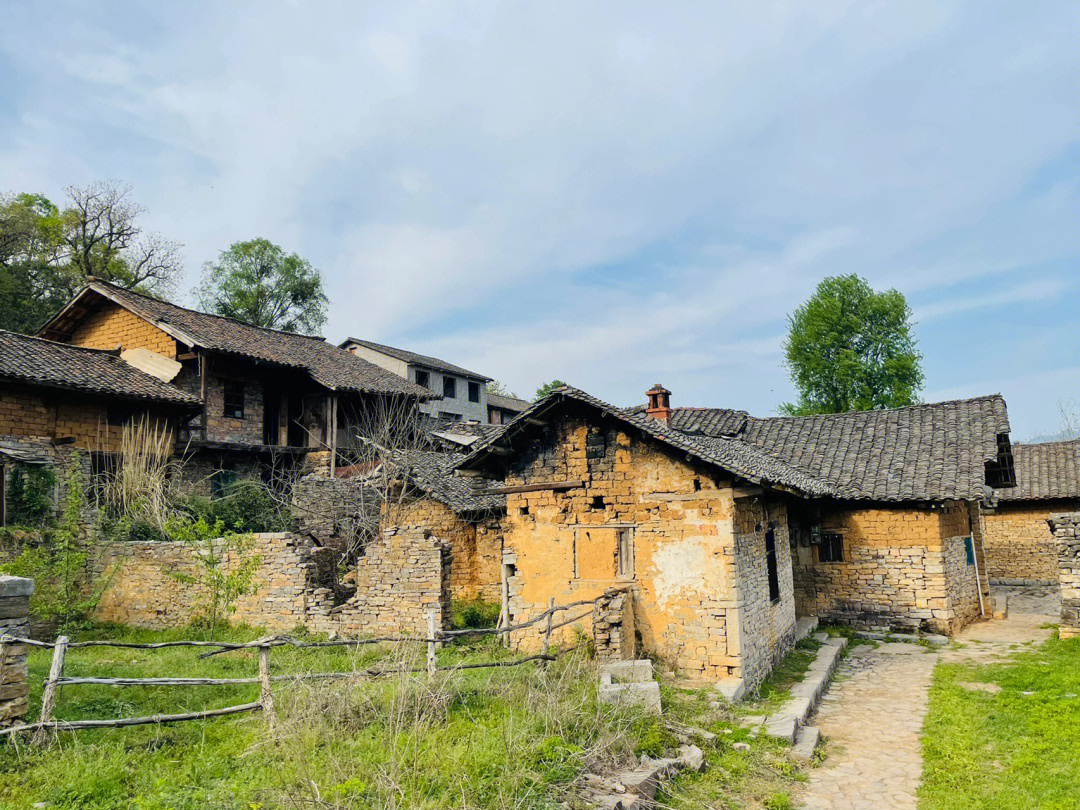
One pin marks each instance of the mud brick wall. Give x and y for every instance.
(1066, 528)
(112, 325)
(1019, 545)
(692, 575)
(402, 576)
(15, 595)
(904, 568)
(24, 413)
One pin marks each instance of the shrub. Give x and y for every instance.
(474, 613)
(31, 494)
(243, 505)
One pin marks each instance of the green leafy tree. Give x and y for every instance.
(257, 282)
(547, 388)
(47, 253)
(850, 348)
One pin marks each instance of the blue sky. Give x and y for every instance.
(616, 195)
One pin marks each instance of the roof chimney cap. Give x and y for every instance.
(659, 402)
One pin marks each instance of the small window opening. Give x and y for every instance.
(120, 414)
(474, 392)
(831, 549)
(449, 387)
(234, 399)
(597, 502)
(626, 554)
(423, 379)
(523, 510)
(697, 485)
(770, 561)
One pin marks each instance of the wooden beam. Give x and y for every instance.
(552, 485)
(333, 434)
(747, 492)
(469, 474)
(532, 420)
(501, 451)
(180, 358)
(204, 361)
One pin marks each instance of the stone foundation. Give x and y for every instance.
(15, 595)
(1066, 528)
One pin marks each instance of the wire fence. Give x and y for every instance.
(434, 638)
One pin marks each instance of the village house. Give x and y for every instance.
(1019, 544)
(55, 398)
(728, 529)
(501, 408)
(266, 398)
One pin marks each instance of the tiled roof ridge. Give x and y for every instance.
(24, 336)
(905, 408)
(1047, 443)
(125, 291)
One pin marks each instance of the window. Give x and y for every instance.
(449, 387)
(234, 399)
(474, 392)
(626, 554)
(221, 480)
(831, 548)
(969, 549)
(120, 414)
(1001, 472)
(423, 378)
(770, 561)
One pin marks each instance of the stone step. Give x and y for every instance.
(806, 741)
(804, 627)
(806, 694)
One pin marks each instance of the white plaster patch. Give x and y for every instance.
(680, 567)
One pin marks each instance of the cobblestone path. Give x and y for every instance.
(872, 714)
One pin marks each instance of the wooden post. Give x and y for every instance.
(547, 633)
(504, 612)
(48, 698)
(202, 392)
(333, 434)
(266, 696)
(431, 643)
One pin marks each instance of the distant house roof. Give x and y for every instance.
(1045, 471)
(931, 452)
(433, 472)
(415, 359)
(460, 433)
(507, 403)
(936, 451)
(47, 363)
(735, 456)
(325, 363)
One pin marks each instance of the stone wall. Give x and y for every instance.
(1066, 528)
(401, 576)
(904, 568)
(15, 595)
(331, 509)
(1019, 545)
(613, 626)
(676, 522)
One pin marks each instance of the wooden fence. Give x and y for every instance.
(265, 703)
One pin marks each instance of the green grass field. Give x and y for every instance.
(1016, 748)
(495, 738)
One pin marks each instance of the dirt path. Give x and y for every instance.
(873, 713)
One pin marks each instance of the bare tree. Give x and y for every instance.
(1070, 418)
(103, 239)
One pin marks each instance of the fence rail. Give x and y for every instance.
(265, 703)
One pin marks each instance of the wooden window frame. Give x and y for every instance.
(474, 386)
(226, 385)
(827, 548)
(449, 387)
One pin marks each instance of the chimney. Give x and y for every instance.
(659, 402)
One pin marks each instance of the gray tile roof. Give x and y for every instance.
(929, 452)
(933, 452)
(60, 365)
(433, 472)
(1045, 471)
(426, 361)
(738, 457)
(26, 450)
(328, 365)
(507, 403)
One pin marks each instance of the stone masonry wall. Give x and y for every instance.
(678, 523)
(1020, 547)
(330, 509)
(15, 595)
(1066, 528)
(112, 325)
(901, 570)
(613, 627)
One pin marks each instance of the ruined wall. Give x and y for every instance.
(902, 569)
(15, 593)
(613, 627)
(401, 577)
(1066, 528)
(1019, 545)
(331, 509)
(680, 533)
(111, 325)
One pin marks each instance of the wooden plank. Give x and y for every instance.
(552, 485)
(747, 492)
(432, 630)
(266, 694)
(48, 698)
(72, 725)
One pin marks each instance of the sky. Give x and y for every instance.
(611, 194)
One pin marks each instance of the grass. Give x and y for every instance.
(1017, 748)
(775, 688)
(496, 738)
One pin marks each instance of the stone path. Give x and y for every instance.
(873, 714)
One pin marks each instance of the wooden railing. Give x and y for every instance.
(435, 636)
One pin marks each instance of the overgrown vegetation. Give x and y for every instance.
(30, 494)
(514, 737)
(1012, 748)
(467, 613)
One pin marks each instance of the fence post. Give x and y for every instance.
(547, 633)
(266, 696)
(48, 698)
(431, 643)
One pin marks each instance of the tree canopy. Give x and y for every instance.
(257, 282)
(850, 348)
(547, 388)
(46, 254)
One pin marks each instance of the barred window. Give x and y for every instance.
(831, 548)
(234, 399)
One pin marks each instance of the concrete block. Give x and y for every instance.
(646, 695)
(732, 689)
(806, 741)
(15, 586)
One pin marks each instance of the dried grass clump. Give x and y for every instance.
(143, 484)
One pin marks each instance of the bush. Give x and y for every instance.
(244, 505)
(475, 613)
(30, 493)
